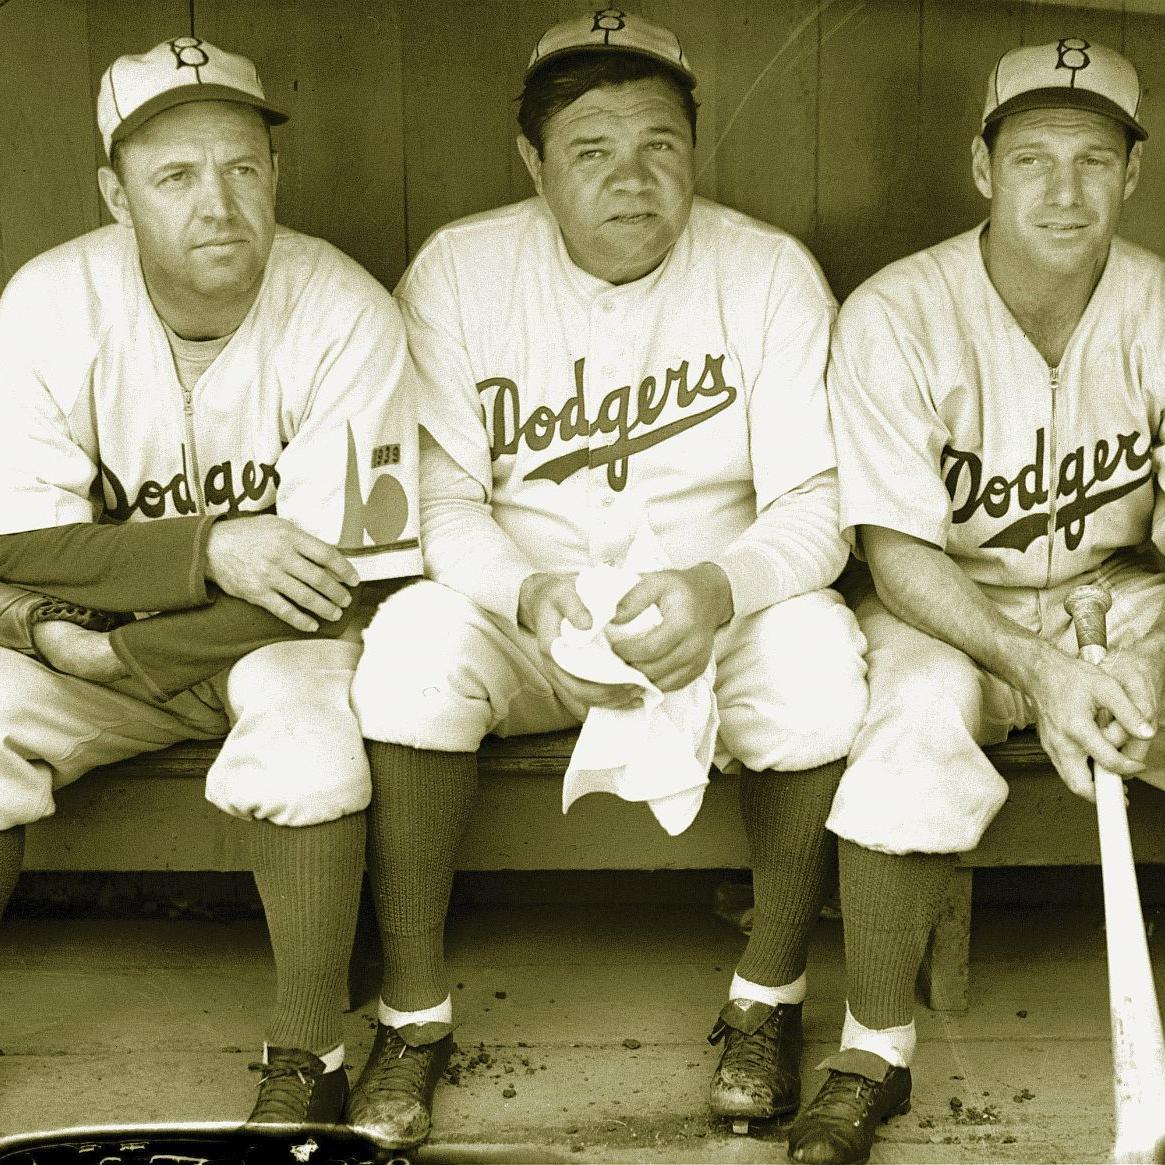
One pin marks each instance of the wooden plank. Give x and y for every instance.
(463, 65)
(766, 133)
(48, 184)
(336, 70)
(1143, 220)
(961, 41)
(1048, 22)
(518, 824)
(1044, 824)
(869, 190)
(137, 822)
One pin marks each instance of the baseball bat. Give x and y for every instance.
(1138, 1046)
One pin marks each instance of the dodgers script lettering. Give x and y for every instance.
(623, 412)
(224, 485)
(1076, 477)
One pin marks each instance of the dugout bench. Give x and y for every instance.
(148, 813)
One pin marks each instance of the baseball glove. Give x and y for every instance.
(50, 610)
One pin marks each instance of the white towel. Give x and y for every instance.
(660, 752)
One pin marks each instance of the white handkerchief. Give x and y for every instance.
(660, 752)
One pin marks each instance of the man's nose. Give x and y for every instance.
(631, 172)
(214, 197)
(1064, 185)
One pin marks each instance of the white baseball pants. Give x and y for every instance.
(918, 781)
(440, 673)
(293, 753)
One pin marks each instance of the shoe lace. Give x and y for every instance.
(752, 1053)
(838, 1094)
(399, 1071)
(284, 1093)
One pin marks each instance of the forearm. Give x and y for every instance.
(464, 547)
(922, 586)
(793, 547)
(170, 653)
(132, 566)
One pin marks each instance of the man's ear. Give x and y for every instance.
(274, 173)
(532, 159)
(114, 194)
(981, 166)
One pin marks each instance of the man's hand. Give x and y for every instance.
(693, 604)
(543, 602)
(1140, 669)
(88, 655)
(1072, 698)
(273, 564)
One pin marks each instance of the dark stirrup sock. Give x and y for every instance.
(420, 803)
(793, 864)
(889, 903)
(309, 880)
(11, 861)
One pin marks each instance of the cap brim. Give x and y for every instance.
(187, 94)
(1060, 97)
(572, 50)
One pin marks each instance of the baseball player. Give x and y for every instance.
(611, 359)
(998, 401)
(205, 416)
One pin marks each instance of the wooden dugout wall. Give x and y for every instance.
(847, 122)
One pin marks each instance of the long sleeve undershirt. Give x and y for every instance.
(152, 566)
(792, 547)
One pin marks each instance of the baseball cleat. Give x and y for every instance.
(392, 1101)
(837, 1127)
(295, 1089)
(759, 1073)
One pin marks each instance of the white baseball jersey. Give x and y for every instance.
(309, 409)
(691, 399)
(951, 426)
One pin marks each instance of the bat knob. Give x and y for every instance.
(1087, 605)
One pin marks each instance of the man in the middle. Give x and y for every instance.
(612, 358)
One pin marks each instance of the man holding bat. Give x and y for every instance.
(998, 404)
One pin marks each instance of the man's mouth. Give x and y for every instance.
(633, 219)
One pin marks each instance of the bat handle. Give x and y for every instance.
(1088, 605)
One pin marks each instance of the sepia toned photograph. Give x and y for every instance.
(582, 583)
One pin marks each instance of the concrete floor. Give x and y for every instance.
(581, 1038)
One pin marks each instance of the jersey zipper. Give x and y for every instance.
(1053, 482)
(188, 410)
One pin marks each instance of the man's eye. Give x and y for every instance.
(590, 154)
(174, 178)
(661, 145)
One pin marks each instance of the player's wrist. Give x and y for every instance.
(713, 582)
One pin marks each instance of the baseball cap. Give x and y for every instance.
(609, 30)
(136, 88)
(1068, 72)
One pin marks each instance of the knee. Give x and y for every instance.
(294, 755)
(26, 781)
(807, 694)
(415, 684)
(285, 787)
(925, 691)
